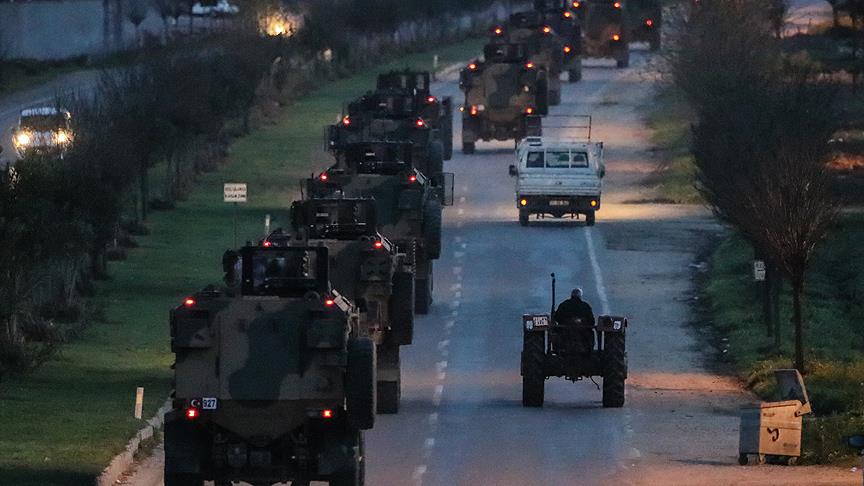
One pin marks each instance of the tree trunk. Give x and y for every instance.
(797, 293)
(776, 290)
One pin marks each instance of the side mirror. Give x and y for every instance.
(855, 442)
(513, 172)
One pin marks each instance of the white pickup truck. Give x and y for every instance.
(558, 177)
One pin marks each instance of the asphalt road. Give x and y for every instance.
(462, 422)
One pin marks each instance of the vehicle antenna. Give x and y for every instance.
(553, 295)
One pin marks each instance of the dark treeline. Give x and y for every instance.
(760, 141)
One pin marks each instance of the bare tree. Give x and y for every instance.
(136, 13)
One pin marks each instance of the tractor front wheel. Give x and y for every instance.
(614, 370)
(533, 374)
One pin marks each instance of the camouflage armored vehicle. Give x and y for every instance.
(408, 204)
(436, 111)
(390, 114)
(500, 94)
(646, 20)
(274, 381)
(368, 270)
(558, 15)
(604, 29)
(573, 350)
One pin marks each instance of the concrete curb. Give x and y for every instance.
(122, 462)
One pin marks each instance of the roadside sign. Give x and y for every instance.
(759, 270)
(235, 192)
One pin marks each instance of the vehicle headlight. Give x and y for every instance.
(23, 138)
(62, 137)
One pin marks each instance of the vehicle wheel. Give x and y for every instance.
(402, 308)
(447, 136)
(435, 158)
(590, 218)
(533, 375)
(467, 148)
(614, 369)
(389, 384)
(575, 74)
(555, 98)
(432, 228)
(523, 217)
(389, 394)
(761, 459)
(353, 474)
(742, 459)
(542, 97)
(183, 480)
(423, 291)
(360, 383)
(654, 43)
(791, 461)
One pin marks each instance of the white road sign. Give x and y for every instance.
(235, 192)
(759, 270)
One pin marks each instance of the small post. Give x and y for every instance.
(553, 295)
(139, 402)
(235, 226)
(266, 225)
(434, 67)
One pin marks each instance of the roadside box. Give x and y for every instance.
(773, 429)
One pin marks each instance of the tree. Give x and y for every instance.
(136, 13)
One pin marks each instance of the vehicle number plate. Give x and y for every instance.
(540, 321)
(209, 403)
(559, 202)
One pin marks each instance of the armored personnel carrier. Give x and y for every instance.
(646, 21)
(558, 15)
(604, 29)
(408, 204)
(501, 93)
(434, 110)
(274, 378)
(390, 114)
(369, 270)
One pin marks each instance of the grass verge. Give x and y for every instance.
(834, 309)
(62, 424)
(669, 117)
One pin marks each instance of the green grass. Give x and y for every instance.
(669, 118)
(62, 424)
(834, 310)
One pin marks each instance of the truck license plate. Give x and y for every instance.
(559, 202)
(209, 403)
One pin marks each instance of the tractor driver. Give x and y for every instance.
(567, 314)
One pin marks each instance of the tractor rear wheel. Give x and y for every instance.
(533, 375)
(614, 369)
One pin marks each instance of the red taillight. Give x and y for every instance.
(189, 302)
(329, 302)
(378, 244)
(412, 178)
(472, 66)
(649, 23)
(616, 37)
(192, 413)
(529, 110)
(498, 31)
(567, 49)
(327, 414)
(267, 244)
(529, 65)
(323, 176)
(567, 14)
(420, 123)
(617, 4)
(577, 4)
(346, 121)
(430, 99)
(547, 29)
(474, 111)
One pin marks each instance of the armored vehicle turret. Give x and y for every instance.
(274, 380)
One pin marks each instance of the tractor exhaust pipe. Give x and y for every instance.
(552, 312)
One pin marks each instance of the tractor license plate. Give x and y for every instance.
(539, 321)
(559, 202)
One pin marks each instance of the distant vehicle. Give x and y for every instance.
(572, 349)
(43, 131)
(274, 379)
(646, 20)
(559, 177)
(214, 8)
(501, 94)
(604, 25)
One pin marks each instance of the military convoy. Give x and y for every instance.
(280, 370)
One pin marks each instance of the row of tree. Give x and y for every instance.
(760, 141)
